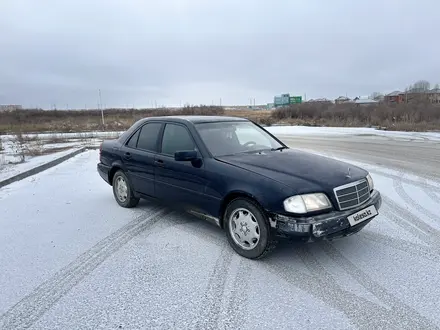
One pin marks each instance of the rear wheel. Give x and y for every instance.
(248, 229)
(123, 191)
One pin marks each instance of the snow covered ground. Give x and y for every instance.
(73, 135)
(32, 150)
(72, 258)
(355, 131)
(10, 170)
(278, 130)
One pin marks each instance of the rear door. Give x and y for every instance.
(138, 155)
(179, 181)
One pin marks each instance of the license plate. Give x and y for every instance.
(362, 215)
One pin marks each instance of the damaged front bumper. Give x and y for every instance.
(330, 225)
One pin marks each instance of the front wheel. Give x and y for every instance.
(248, 229)
(123, 191)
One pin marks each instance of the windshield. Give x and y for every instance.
(229, 138)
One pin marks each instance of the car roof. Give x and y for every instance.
(196, 119)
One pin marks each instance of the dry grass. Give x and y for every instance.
(418, 117)
(40, 151)
(19, 147)
(55, 138)
(414, 117)
(33, 120)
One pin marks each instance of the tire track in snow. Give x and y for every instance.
(361, 312)
(397, 184)
(238, 299)
(425, 233)
(214, 293)
(402, 222)
(430, 192)
(323, 286)
(414, 249)
(408, 216)
(28, 310)
(407, 315)
(424, 185)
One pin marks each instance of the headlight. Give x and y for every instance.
(306, 203)
(370, 182)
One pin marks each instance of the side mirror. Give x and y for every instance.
(186, 155)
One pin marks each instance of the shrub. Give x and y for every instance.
(418, 116)
(19, 147)
(36, 120)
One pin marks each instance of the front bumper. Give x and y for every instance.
(324, 226)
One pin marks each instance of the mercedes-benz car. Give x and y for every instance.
(236, 174)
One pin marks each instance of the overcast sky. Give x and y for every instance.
(175, 51)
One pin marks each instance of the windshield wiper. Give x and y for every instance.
(279, 148)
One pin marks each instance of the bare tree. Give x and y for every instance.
(420, 86)
(376, 96)
(436, 86)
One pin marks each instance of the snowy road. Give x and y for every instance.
(419, 156)
(70, 258)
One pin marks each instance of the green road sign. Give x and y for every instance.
(295, 99)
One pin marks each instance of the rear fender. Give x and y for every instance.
(118, 165)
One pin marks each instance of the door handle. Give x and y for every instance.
(127, 155)
(159, 162)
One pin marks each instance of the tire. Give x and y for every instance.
(254, 221)
(124, 196)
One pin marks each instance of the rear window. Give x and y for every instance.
(148, 136)
(133, 140)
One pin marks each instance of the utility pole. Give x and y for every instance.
(100, 106)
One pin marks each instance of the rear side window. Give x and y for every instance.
(176, 138)
(133, 140)
(148, 136)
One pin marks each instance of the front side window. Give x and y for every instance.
(148, 136)
(176, 138)
(229, 138)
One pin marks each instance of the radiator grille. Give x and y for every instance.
(352, 194)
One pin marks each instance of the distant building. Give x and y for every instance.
(283, 100)
(379, 98)
(364, 101)
(322, 100)
(10, 107)
(395, 97)
(416, 96)
(343, 99)
(434, 95)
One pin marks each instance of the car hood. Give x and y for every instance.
(293, 168)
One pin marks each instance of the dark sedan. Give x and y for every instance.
(236, 174)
